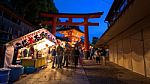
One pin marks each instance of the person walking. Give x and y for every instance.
(97, 54)
(66, 57)
(59, 53)
(71, 59)
(76, 56)
(103, 55)
(53, 52)
(81, 56)
(91, 53)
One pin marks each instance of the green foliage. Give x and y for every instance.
(30, 9)
(94, 40)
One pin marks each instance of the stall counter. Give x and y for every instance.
(37, 63)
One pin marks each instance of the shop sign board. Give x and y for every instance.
(33, 37)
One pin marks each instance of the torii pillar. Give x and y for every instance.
(54, 25)
(86, 39)
(70, 16)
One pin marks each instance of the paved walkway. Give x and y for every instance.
(56, 76)
(112, 74)
(89, 73)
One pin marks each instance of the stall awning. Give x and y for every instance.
(33, 37)
(41, 37)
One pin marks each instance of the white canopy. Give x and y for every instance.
(29, 38)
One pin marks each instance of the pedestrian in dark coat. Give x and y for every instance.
(76, 56)
(66, 57)
(53, 56)
(59, 56)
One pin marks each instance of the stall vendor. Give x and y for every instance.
(31, 52)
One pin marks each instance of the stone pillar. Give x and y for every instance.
(86, 39)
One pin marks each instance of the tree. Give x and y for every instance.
(30, 9)
(94, 40)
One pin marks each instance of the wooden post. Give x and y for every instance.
(54, 26)
(70, 20)
(86, 38)
(144, 59)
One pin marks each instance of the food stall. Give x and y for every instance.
(30, 50)
(26, 53)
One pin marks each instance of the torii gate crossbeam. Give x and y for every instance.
(86, 16)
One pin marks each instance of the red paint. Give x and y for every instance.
(70, 17)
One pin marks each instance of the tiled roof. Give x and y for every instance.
(69, 28)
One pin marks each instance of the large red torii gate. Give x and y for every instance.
(56, 16)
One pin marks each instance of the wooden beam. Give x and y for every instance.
(54, 26)
(68, 15)
(69, 23)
